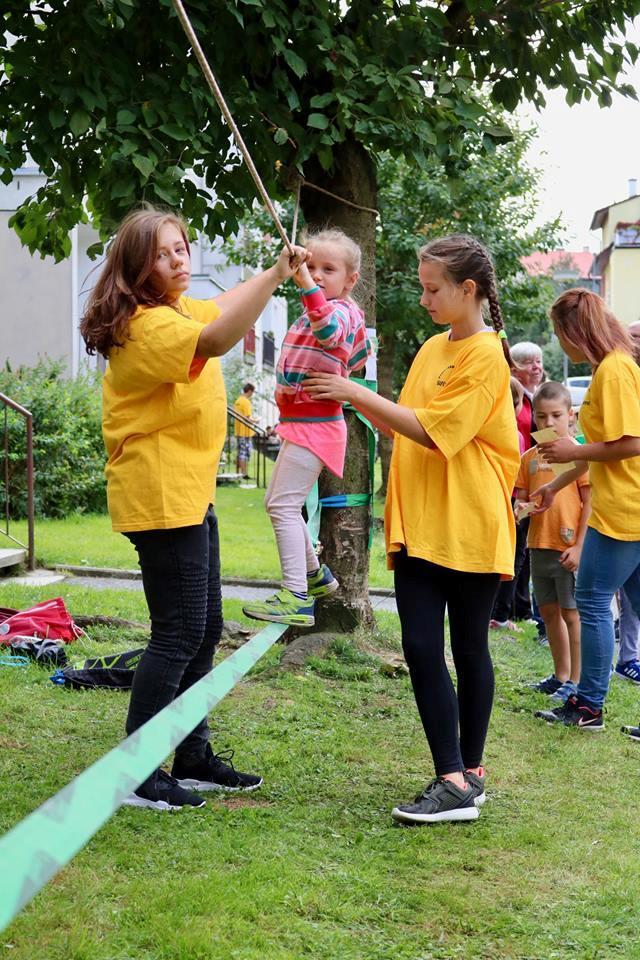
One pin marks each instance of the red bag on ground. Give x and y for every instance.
(49, 620)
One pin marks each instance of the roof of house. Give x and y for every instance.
(569, 261)
(600, 216)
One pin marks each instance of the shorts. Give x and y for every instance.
(244, 448)
(552, 583)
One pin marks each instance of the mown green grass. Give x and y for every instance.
(312, 866)
(247, 544)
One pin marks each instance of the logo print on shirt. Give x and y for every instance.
(441, 382)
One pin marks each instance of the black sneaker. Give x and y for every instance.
(549, 685)
(633, 732)
(213, 773)
(440, 800)
(574, 714)
(163, 792)
(477, 785)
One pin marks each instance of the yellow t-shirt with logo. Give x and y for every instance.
(452, 505)
(611, 410)
(243, 406)
(163, 420)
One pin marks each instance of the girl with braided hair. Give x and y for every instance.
(449, 526)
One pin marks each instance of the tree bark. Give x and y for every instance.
(386, 358)
(344, 533)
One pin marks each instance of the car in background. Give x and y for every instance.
(578, 386)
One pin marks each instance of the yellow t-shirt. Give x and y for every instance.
(163, 420)
(611, 410)
(557, 527)
(452, 506)
(243, 406)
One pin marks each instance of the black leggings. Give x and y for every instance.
(423, 590)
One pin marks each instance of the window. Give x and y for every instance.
(268, 351)
(628, 235)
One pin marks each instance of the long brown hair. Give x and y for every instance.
(465, 258)
(585, 321)
(124, 283)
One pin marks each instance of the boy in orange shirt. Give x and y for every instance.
(555, 543)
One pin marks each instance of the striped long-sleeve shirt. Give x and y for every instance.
(331, 337)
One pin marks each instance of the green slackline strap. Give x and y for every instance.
(40, 845)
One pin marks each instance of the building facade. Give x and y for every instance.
(619, 259)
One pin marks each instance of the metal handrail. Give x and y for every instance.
(30, 546)
(260, 452)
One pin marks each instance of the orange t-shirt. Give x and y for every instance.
(557, 527)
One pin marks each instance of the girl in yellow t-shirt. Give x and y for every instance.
(610, 420)
(164, 420)
(449, 525)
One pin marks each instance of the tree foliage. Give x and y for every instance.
(107, 100)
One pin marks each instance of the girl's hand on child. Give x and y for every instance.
(329, 386)
(286, 265)
(571, 558)
(562, 450)
(545, 495)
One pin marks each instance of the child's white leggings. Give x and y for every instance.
(294, 474)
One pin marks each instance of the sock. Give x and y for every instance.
(300, 596)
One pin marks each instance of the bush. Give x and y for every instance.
(68, 451)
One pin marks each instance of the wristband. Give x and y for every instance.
(306, 293)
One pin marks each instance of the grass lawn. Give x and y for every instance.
(247, 544)
(311, 866)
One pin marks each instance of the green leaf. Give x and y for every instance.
(280, 136)
(79, 122)
(144, 165)
(322, 100)
(56, 117)
(296, 63)
(125, 117)
(318, 120)
(175, 131)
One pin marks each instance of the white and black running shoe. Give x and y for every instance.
(214, 771)
(574, 713)
(439, 801)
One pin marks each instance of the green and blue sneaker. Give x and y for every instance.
(283, 607)
(321, 582)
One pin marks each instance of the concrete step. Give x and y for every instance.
(12, 556)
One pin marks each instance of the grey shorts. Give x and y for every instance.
(551, 582)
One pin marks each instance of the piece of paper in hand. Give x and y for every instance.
(547, 436)
(524, 509)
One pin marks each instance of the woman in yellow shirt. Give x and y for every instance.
(449, 525)
(164, 422)
(610, 420)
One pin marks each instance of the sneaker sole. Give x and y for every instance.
(462, 813)
(205, 785)
(627, 733)
(324, 591)
(480, 799)
(160, 805)
(292, 620)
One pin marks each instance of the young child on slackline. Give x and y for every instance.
(331, 337)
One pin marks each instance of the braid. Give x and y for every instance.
(497, 322)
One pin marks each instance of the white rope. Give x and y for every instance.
(216, 91)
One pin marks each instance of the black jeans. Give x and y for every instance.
(505, 606)
(423, 590)
(181, 578)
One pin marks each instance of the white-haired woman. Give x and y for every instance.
(528, 370)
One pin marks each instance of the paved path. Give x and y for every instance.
(229, 592)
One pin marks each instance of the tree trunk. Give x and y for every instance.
(386, 358)
(344, 533)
